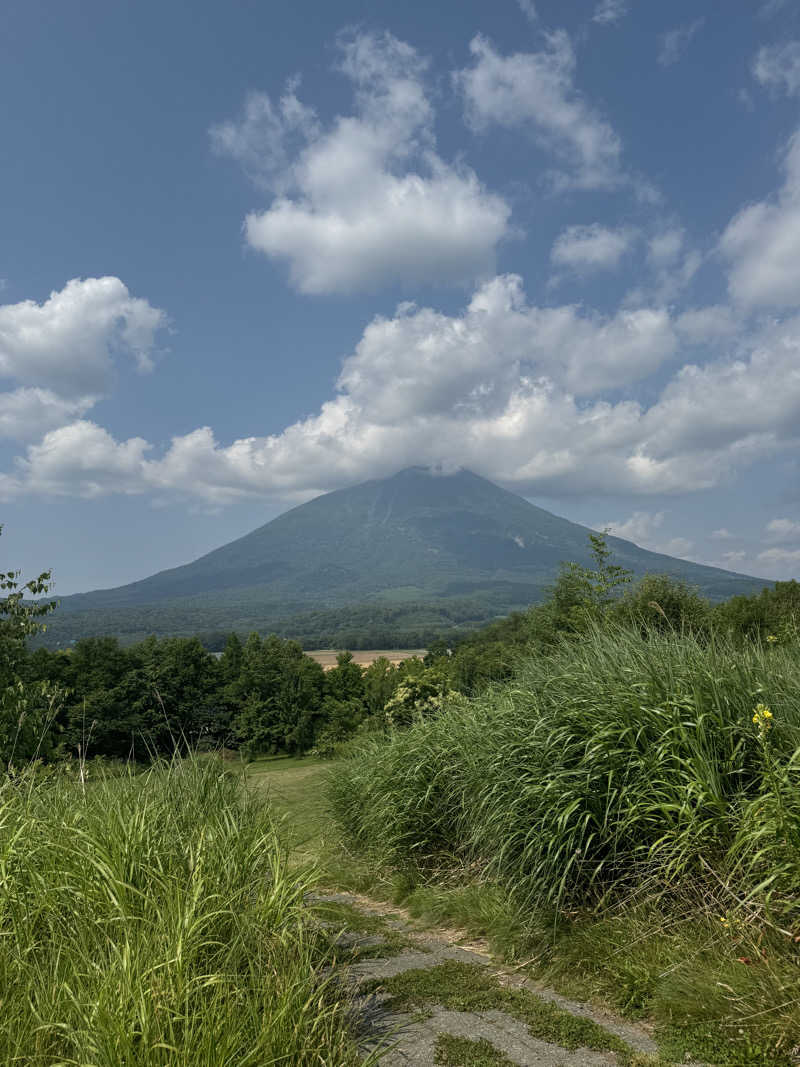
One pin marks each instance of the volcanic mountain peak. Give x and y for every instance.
(420, 535)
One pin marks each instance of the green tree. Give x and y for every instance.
(380, 680)
(660, 602)
(28, 709)
(584, 593)
(419, 697)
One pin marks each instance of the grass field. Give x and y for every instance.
(296, 789)
(365, 656)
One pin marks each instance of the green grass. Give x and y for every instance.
(342, 917)
(461, 1052)
(611, 760)
(600, 815)
(296, 793)
(153, 920)
(470, 988)
(297, 790)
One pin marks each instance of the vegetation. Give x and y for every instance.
(622, 777)
(605, 783)
(470, 988)
(26, 710)
(151, 919)
(461, 1052)
(263, 695)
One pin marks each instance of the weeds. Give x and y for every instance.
(153, 920)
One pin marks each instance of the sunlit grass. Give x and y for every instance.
(154, 920)
(634, 810)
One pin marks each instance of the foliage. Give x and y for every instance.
(659, 602)
(419, 697)
(659, 769)
(152, 920)
(608, 760)
(27, 709)
(266, 696)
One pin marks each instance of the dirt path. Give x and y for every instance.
(422, 999)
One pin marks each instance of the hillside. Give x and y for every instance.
(402, 557)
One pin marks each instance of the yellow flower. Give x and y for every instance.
(762, 718)
(771, 638)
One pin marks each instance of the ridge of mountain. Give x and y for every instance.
(416, 536)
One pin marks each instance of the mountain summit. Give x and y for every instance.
(417, 537)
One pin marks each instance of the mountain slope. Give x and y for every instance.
(413, 537)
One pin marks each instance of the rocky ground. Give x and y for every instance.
(423, 998)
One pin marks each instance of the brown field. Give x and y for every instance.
(365, 656)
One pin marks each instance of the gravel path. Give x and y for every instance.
(409, 1039)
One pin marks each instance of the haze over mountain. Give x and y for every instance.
(454, 542)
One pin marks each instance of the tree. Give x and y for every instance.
(419, 697)
(582, 593)
(279, 692)
(660, 602)
(28, 709)
(380, 681)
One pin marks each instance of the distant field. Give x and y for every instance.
(327, 656)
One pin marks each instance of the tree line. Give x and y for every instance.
(265, 695)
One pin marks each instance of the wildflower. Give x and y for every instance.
(762, 718)
(772, 639)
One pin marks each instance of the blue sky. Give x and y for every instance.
(253, 252)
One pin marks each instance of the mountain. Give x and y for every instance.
(438, 549)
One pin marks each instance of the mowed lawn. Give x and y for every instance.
(297, 791)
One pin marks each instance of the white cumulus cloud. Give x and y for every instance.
(536, 90)
(504, 387)
(639, 527)
(762, 244)
(366, 200)
(642, 527)
(783, 530)
(779, 556)
(25, 414)
(60, 353)
(84, 459)
(66, 342)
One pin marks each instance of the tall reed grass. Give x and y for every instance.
(152, 919)
(615, 814)
(610, 761)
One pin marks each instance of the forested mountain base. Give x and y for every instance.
(395, 563)
(265, 695)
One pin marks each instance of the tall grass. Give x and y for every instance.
(616, 814)
(611, 760)
(151, 920)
